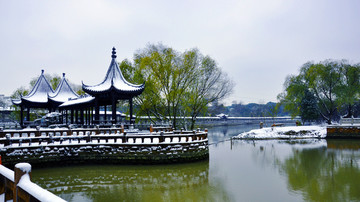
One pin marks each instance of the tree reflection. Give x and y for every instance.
(179, 182)
(324, 174)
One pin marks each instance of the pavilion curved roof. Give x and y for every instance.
(77, 102)
(114, 81)
(39, 93)
(63, 92)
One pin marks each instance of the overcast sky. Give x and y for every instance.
(256, 42)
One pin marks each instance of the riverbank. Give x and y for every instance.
(291, 132)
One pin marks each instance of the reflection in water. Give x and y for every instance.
(316, 170)
(322, 174)
(132, 183)
(221, 133)
(238, 170)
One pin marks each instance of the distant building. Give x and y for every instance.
(5, 102)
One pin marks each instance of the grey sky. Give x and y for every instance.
(257, 42)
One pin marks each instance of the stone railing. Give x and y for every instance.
(38, 132)
(110, 145)
(63, 136)
(17, 186)
(351, 121)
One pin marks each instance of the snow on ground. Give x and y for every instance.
(285, 133)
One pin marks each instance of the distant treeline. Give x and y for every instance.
(248, 110)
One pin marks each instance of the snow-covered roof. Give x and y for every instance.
(115, 80)
(42, 93)
(63, 92)
(16, 101)
(77, 101)
(39, 93)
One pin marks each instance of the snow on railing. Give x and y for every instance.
(37, 137)
(17, 185)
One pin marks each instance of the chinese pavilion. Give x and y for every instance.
(114, 87)
(43, 96)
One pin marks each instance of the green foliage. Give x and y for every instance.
(348, 91)
(308, 107)
(177, 84)
(332, 83)
(19, 92)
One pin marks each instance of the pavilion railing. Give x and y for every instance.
(37, 137)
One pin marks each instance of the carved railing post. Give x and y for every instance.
(37, 133)
(88, 136)
(20, 170)
(122, 130)
(161, 138)
(8, 140)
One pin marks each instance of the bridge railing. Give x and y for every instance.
(17, 186)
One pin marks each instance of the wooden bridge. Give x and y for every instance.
(17, 186)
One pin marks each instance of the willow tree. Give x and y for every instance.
(349, 89)
(177, 84)
(210, 85)
(333, 84)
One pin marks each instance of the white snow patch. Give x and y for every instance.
(25, 167)
(6, 172)
(36, 191)
(285, 133)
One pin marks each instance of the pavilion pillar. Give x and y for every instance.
(88, 116)
(22, 116)
(97, 112)
(131, 110)
(105, 114)
(72, 116)
(92, 116)
(82, 116)
(28, 114)
(113, 110)
(76, 117)
(66, 117)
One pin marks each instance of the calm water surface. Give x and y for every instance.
(271, 170)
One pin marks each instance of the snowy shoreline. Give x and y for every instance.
(291, 132)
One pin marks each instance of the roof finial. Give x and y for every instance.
(63, 74)
(113, 52)
(42, 71)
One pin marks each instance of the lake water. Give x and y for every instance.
(263, 170)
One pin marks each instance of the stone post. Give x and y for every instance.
(8, 140)
(88, 136)
(162, 138)
(122, 130)
(37, 133)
